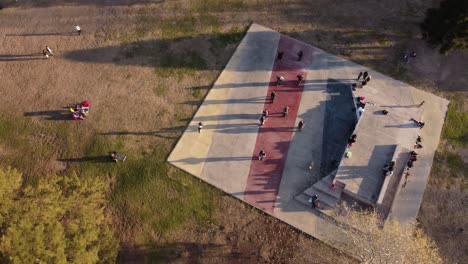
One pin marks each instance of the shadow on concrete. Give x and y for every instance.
(339, 123)
(56, 115)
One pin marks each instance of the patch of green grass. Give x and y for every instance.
(456, 125)
(162, 254)
(222, 40)
(211, 6)
(173, 64)
(178, 27)
(456, 165)
(156, 200)
(157, 196)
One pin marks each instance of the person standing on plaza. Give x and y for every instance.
(273, 96)
(359, 76)
(364, 75)
(200, 126)
(280, 55)
(279, 79)
(261, 155)
(421, 104)
(300, 77)
(300, 54)
(262, 120)
(301, 125)
(285, 111)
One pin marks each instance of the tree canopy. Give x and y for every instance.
(447, 26)
(375, 241)
(54, 219)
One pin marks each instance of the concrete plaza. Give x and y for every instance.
(301, 164)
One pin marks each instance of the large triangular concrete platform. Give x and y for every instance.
(300, 164)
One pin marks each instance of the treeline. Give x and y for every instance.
(447, 26)
(54, 219)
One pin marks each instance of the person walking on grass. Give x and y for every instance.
(78, 29)
(49, 50)
(300, 125)
(261, 155)
(279, 79)
(200, 126)
(273, 96)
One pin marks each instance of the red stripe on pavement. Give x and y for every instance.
(275, 135)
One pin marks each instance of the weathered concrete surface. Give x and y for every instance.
(223, 154)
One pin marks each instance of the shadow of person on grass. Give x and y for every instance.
(56, 115)
(92, 159)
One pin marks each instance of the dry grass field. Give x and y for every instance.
(145, 66)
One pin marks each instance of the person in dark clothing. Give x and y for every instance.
(261, 155)
(262, 120)
(359, 76)
(285, 111)
(280, 56)
(353, 87)
(299, 55)
(200, 126)
(314, 201)
(301, 125)
(364, 76)
(385, 112)
(279, 79)
(273, 95)
(300, 77)
(364, 83)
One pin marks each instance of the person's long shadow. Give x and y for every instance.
(92, 159)
(55, 115)
(43, 34)
(21, 57)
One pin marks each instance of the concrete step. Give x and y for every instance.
(323, 197)
(304, 199)
(325, 187)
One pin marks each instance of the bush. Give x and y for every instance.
(447, 26)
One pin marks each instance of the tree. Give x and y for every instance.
(58, 219)
(375, 241)
(447, 26)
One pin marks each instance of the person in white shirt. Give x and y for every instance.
(78, 29)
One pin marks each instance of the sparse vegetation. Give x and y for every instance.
(456, 126)
(376, 242)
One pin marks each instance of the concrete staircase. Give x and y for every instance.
(391, 183)
(328, 197)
